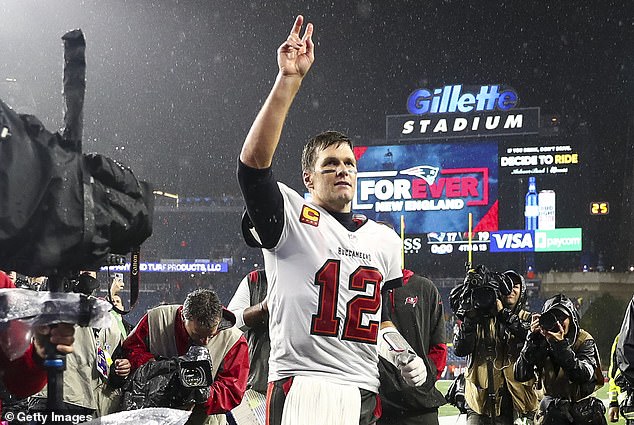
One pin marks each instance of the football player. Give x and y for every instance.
(326, 267)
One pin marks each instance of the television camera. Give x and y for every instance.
(476, 297)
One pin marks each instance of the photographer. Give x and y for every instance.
(26, 374)
(493, 329)
(621, 372)
(614, 389)
(86, 368)
(566, 360)
(169, 331)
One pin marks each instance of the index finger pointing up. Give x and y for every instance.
(298, 25)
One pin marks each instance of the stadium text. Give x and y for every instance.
(457, 125)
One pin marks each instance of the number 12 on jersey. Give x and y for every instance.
(326, 322)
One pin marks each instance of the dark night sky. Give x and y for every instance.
(178, 83)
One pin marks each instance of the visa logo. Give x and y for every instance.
(513, 241)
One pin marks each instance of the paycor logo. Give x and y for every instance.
(558, 240)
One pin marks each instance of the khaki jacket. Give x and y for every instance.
(523, 394)
(162, 342)
(81, 379)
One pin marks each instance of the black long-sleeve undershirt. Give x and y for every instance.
(264, 202)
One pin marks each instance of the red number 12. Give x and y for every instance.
(326, 322)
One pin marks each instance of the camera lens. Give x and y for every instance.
(548, 321)
(193, 377)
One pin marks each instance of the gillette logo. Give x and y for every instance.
(451, 99)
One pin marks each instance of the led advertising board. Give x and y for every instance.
(444, 243)
(539, 160)
(174, 267)
(520, 196)
(530, 206)
(434, 186)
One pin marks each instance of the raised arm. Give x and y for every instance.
(294, 58)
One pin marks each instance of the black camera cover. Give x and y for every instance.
(551, 319)
(476, 296)
(484, 301)
(63, 210)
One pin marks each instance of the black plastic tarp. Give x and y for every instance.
(61, 210)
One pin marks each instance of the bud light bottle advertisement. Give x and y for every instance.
(531, 207)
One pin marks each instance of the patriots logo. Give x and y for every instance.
(425, 172)
(436, 237)
(412, 300)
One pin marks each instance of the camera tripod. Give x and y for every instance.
(490, 358)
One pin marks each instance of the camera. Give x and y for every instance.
(551, 319)
(194, 369)
(195, 373)
(101, 209)
(477, 297)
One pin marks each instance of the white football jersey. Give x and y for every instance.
(324, 294)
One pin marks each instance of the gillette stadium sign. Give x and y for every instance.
(462, 111)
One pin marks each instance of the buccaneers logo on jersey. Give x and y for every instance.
(412, 300)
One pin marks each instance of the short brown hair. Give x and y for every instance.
(203, 305)
(319, 143)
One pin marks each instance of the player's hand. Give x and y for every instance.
(414, 373)
(122, 367)
(61, 335)
(296, 55)
(613, 414)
